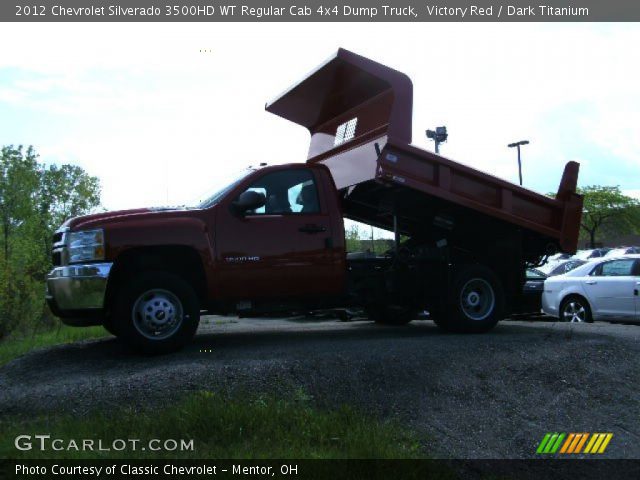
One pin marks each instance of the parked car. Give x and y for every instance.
(532, 291)
(558, 257)
(590, 253)
(620, 251)
(553, 261)
(534, 285)
(561, 268)
(605, 289)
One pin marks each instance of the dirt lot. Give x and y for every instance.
(472, 396)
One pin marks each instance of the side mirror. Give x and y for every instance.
(249, 200)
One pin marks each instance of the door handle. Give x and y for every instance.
(591, 282)
(312, 228)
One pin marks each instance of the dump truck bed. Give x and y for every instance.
(359, 114)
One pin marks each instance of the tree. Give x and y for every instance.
(608, 209)
(352, 237)
(34, 200)
(66, 191)
(18, 189)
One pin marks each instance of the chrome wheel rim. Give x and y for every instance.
(157, 314)
(477, 299)
(574, 312)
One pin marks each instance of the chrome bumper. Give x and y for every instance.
(78, 287)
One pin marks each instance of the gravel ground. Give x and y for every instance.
(469, 396)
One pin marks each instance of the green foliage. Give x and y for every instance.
(248, 426)
(607, 211)
(17, 345)
(352, 237)
(359, 239)
(34, 200)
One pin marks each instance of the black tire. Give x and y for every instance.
(576, 309)
(110, 327)
(391, 314)
(156, 312)
(475, 303)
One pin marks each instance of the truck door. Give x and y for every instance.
(283, 249)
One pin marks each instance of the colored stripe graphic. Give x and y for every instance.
(567, 443)
(573, 443)
(581, 443)
(577, 438)
(591, 443)
(556, 446)
(551, 443)
(543, 443)
(598, 443)
(605, 443)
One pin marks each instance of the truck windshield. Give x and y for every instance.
(221, 186)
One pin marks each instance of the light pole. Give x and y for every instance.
(518, 144)
(439, 136)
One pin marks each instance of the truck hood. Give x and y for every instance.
(99, 219)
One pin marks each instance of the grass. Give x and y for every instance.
(15, 346)
(222, 427)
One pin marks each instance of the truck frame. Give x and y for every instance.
(273, 240)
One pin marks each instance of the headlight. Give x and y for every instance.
(86, 245)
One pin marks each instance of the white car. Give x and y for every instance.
(603, 289)
(619, 252)
(590, 254)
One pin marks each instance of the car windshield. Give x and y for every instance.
(566, 267)
(220, 187)
(535, 273)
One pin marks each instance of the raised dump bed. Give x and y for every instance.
(359, 114)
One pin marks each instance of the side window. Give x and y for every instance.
(616, 268)
(287, 192)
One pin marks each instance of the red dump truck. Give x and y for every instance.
(272, 239)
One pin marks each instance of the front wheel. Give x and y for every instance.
(476, 301)
(157, 312)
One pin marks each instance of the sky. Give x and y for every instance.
(159, 112)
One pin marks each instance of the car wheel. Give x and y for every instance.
(575, 310)
(157, 312)
(476, 302)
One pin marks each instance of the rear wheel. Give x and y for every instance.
(156, 312)
(575, 310)
(476, 301)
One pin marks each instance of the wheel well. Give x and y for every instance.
(179, 260)
(569, 297)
